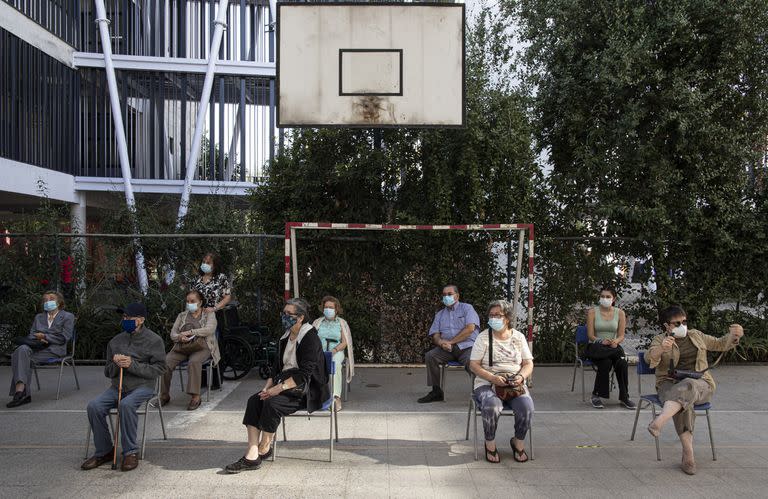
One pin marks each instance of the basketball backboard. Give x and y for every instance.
(370, 65)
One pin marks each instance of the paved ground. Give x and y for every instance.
(391, 446)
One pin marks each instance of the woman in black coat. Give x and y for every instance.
(300, 380)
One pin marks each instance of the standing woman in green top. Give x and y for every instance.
(336, 338)
(605, 329)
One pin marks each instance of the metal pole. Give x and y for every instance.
(295, 262)
(122, 147)
(194, 152)
(518, 272)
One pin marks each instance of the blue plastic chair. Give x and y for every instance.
(60, 362)
(653, 401)
(581, 362)
(328, 406)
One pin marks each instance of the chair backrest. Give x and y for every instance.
(642, 365)
(581, 335)
(330, 367)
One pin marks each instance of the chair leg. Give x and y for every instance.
(474, 440)
(573, 381)
(74, 372)
(330, 439)
(656, 439)
(58, 384)
(181, 378)
(530, 442)
(162, 419)
(442, 378)
(711, 440)
(209, 372)
(285, 437)
(637, 416)
(583, 389)
(87, 440)
(469, 415)
(37, 378)
(274, 447)
(144, 430)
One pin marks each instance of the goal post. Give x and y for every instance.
(523, 230)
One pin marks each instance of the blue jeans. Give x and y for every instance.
(491, 406)
(98, 412)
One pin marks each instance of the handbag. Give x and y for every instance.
(32, 343)
(189, 347)
(510, 390)
(598, 351)
(297, 391)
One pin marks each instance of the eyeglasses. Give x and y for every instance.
(451, 293)
(496, 316)
(683, 322)
(288, 314)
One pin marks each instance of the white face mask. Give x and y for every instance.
(606, 302)
(680, 331)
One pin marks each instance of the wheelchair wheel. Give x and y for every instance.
(236, 357)
(264, 371)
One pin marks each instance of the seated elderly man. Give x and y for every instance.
(453, 332)
(140, 354)
(47, 338)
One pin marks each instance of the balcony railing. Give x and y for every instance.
(60, 17)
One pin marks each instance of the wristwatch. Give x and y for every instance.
(283, 386)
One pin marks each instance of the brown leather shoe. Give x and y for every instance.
(96, 461)
(130, 462)
(194, 404)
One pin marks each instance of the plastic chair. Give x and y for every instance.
(504, 412)
(327, 406)
(208, 365)
(450, 364)
(581, 362)
(653, 401)
(153, 402)
(51, 363)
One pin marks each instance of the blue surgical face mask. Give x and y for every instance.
(329, 313)
(192, 307)
(50, 305)
(448, 300)
(129, 325)
(496, 324)
(288, 321)
(206, 268)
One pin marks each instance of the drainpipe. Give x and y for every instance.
(194, 152)
(122, 147)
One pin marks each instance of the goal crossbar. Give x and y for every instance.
(291, 264)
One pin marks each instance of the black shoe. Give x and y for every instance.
(243, 464)
(19, 399)
(433, 396)
(628, 404)
(597, 403)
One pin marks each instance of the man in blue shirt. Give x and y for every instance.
(453, 332)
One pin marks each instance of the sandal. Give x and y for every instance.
(492, 453)
(518, 455)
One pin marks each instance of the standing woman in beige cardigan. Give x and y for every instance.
(194, 340)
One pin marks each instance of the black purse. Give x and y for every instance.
(298, 391)
(598, 351)
(681, 374)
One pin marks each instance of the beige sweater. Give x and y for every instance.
(207, 331)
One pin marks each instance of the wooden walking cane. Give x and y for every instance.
(117, 424)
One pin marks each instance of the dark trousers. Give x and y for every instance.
(437, 356)
(265, 415)
(603, 378)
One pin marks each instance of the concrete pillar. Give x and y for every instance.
(77, 213)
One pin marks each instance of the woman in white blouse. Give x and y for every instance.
(501, 358)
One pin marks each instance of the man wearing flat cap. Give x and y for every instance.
(141, 355)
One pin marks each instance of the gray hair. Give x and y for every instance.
(506, 310)
(301, 306)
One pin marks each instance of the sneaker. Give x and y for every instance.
(433, 396)
(243, 464)
(597, 403)
(628, 404)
